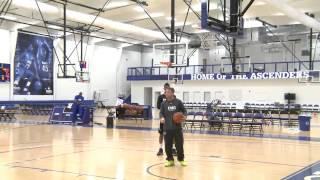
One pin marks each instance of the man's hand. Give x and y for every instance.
(184, 118)
(162, 120)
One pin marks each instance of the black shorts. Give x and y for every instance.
(161, 128)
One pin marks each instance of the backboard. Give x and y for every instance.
(175, 79)
(314, 77)
(82, 76)
(175, 54)
(222, 16)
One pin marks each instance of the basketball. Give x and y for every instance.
(178, 117)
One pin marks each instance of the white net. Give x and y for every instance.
(82, 76)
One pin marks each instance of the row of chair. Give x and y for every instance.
(232, 122)
(36, 109)
(7, 112)
(260, 106)
(303, 107)
(279, 116)
(238, 121)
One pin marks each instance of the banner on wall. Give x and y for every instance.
(4, 72)
(251, 76)
(33, 65)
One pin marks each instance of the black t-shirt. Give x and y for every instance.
(168, 108)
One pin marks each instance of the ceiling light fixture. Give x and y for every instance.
(121, 39)
(115, 4)
(138, 9)
(181, 23)
(201, 31)
(294, 13)
(54, 27)
(169, 18)
(8, 17)
(259, 3)
(278, 14)
(154, 15)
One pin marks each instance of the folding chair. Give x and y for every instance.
(215, 122)
(257, 123)
(198, 120)
(189, 120)
(235, 122)
(246, 124)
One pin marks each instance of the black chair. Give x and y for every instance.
(246, 124)
(257, 123)
(235, 122)
(215, 122)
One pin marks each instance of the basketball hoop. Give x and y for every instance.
(82, 77)
(164, 52)
(166, 63)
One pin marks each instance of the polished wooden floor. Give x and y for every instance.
(45, 152)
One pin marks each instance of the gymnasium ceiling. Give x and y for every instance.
(129, 23)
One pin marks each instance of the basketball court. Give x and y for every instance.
(85, 87)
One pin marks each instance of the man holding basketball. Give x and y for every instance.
(160, 100)
(173, 129)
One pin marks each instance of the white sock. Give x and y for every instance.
(161, 146)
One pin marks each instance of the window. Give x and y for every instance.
(207, 97)
(197, 96)
(186, 96)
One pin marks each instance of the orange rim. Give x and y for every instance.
(168, 64)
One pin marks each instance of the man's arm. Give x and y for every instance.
(162, 116)
(159, 102)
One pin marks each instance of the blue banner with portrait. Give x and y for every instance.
(33, 65)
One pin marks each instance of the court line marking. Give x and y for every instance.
(148, 170)
(63, 154)
(301, 170)
(15, 128)
(31, 142)
(152, 151)
(192, 133)
(60, 171)
(266, 136)
(226, 136)
(37, 147)
(138, 150)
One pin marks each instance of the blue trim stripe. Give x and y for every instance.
(302, 172)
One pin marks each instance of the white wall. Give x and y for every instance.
(129, 58)
(146, 56)
(264, 91)
(104, 71)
